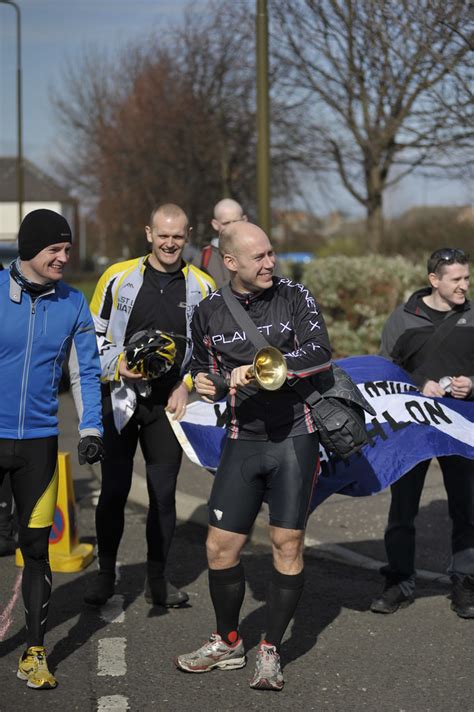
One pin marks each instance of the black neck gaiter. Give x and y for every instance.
(32, 288)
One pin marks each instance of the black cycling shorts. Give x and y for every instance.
(250, 471)
(32, 465)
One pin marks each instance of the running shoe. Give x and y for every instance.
(390, 600)
(34, 668)
(462, 596)
(268, 674)
(100, 588)
(215, 653)
(160, 592)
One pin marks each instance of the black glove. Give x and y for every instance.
(222, 387)
(90, 449)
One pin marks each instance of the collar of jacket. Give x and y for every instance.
(184, 265)
(16, 291)
(411, 306)
(253, 296)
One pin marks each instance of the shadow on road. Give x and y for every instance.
(330, 588)
(433, 539)
(67, 603)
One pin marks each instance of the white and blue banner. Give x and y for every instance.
(408, 428)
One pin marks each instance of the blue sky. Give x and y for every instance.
(55, 31)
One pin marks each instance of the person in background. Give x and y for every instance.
(226, 212)
(42, 320)
(432, 337)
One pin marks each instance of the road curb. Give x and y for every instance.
(194, 509)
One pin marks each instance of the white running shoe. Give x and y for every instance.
(268, 674)
(215, 653)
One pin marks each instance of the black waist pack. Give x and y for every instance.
(338, 414)
(341, 426)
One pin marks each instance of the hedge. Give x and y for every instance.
(358, 293)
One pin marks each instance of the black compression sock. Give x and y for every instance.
(283, 594)
(227, 589)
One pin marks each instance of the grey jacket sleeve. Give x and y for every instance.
(391, 332)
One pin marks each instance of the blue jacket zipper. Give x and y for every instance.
(26, 368)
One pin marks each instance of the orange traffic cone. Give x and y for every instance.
(66, 553)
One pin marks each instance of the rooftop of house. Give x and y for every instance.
(38, 186)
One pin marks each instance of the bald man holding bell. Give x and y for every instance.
(272, 448)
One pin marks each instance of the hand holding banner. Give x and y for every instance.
(408, 427)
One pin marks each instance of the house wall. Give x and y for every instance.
(9, 224)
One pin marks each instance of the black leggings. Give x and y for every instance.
(162, 452)
(458, 478)
(7, 508)
(32, 465)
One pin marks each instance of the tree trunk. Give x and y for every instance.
(374, 209)
(375, 226)
(225, 172)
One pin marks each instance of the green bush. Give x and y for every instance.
(358, 293)
(422, 230)
(351, 244)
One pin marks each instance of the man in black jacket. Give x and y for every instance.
(432, 338)
(272, 446)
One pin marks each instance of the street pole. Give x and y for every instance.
(19, 168)
(263, 126)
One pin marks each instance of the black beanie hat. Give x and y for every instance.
(39, 229)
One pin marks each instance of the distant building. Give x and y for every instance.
(466, 215)
(293, 229)
(459, 214)
(40, 191)
(331, 223)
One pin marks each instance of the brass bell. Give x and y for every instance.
(269, 369)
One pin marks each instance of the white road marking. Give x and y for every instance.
(112, 611)
(111, 658)
(113, 703)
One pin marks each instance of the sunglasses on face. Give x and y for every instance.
(448, 256)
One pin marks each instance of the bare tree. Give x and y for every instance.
(171, 119)
(385, 84)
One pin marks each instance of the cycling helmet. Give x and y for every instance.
(151, 353)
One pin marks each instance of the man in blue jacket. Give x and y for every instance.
(43, 319)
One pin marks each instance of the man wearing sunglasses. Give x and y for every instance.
(432, 337)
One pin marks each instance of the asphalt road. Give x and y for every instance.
(337, 655)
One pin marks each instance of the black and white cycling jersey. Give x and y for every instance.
(290, 319)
